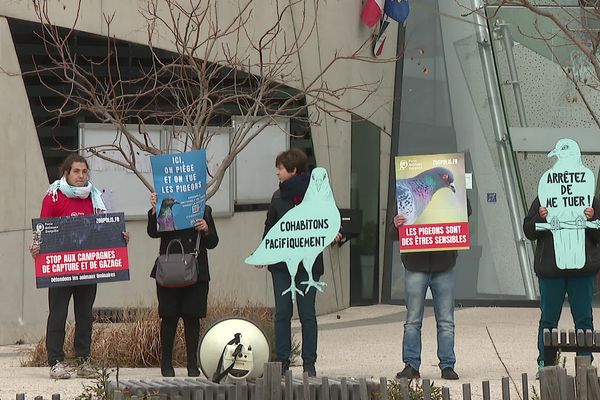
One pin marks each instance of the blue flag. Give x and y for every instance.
(397, 10)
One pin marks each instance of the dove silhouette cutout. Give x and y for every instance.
(302, 233)
(413, 195)
(566, 190)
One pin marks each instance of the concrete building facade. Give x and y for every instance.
(24, 171)
(453, 88)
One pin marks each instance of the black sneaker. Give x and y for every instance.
(285, 366)
(448, 373)
(167, 371)
(409, 373)
(311, 371)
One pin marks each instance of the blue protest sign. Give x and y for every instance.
(180, 185)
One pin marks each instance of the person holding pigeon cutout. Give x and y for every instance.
(566, 260)
(291, 171)
(555, 283)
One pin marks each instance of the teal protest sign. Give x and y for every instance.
(180, 186)
(302, 233)
(566, 190)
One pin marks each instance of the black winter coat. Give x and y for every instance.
(290, 194)
(188, 239)
(545, 260)
(428, 261)
(190, 301)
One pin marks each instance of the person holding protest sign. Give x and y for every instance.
(72, 195)
(188, 302)
(291, 171)
(566, 255)
(433, 270)
(555, 283)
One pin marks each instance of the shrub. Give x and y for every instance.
(135, 342)
(415, 391)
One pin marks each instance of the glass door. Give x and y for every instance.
(364, 251)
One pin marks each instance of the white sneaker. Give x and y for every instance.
(85, 370)
(59, 371)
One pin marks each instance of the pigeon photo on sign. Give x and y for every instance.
(302, 234)
(566, 190)
(431, 195)
(180, 186)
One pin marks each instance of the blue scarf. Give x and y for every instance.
(82, 192)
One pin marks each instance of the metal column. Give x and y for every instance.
(504, 30)
(502, 140)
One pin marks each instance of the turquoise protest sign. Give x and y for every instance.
(302, 233)
(566, 190)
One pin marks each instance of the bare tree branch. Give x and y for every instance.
(575, 26)
(220, 67)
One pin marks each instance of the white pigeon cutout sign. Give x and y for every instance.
(302, 233)
(566, 190)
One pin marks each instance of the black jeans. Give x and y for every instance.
(283, 317)
(168, 331)
(58, 304)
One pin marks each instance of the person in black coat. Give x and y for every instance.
(188, 303)
(555, 283)
(293, 179)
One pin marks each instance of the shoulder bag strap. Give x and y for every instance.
(198, 243)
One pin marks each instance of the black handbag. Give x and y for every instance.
(177, 269)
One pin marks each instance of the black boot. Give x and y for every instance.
(168, 328)
(193, 370)
(191, 327)
(167, 371)
(285, 367)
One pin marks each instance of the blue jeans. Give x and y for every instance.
(442, 290)
(552, 295)
(283, 316)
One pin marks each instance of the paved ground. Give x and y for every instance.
(366, 341)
